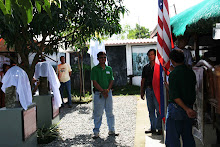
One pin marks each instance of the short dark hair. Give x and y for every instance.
(4, 67)
(177, 55)
(100, 53)
(151, 51)
(61, 57)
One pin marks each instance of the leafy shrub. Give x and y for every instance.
(47, 135)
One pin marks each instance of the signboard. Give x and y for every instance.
(30, 123)
(198, 128)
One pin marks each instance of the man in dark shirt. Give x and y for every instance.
(152, 104)
(182, 95)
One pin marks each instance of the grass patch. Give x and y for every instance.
(117, 91)
(126, 90)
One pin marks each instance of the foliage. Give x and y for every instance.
(25, 8)
(126, 90)
(47, 135)
(138, 32)
(86, 99)
(72, 25)
(75, 68)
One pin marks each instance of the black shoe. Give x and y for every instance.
(111, 133)
(159, 132)
(150, 131)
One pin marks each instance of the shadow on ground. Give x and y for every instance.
(158, 137)
(87, 141)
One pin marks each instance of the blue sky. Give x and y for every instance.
(144, 12)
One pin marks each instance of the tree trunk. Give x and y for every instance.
(83, 81)
(80, 75)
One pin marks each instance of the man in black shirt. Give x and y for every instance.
(146, 86)
(182, 96)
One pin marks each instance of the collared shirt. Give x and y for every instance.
(147, 73)
(182, 81)
(102, 76)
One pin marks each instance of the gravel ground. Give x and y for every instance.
(76, 125)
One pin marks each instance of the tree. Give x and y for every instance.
(72, 24)
(137, 32)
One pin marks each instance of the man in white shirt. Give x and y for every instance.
(64, 73)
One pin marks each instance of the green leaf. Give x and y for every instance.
(38, 6)
(8, 6)
(3, 8)
(28, 8)
(46, 7)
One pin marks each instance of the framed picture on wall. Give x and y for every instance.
(140, 58)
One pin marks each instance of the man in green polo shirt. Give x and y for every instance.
(102, 78)
(182, 95)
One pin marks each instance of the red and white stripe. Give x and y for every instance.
(164, 36)
(162, 61)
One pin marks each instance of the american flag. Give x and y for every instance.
(162, 62)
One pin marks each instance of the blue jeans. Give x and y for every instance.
(153, 109)
(178, 124)
(101, 103)
(67, 85)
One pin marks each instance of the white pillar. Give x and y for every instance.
(129, 59)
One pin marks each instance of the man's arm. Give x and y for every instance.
(70, 70)
(97, 86)
(142, 88)
(110, 85)
(191, 113)
(105, 91)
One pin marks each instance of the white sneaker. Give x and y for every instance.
(96, 135)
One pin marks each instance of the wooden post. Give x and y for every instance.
(196, 47)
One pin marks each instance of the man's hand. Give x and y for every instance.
(166, 85)
(105, 93)
(142, 94)
(38, 83)
(191, 113)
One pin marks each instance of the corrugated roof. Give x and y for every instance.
(205, 10)
(130, 41)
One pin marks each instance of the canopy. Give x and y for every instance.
(199, 18)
